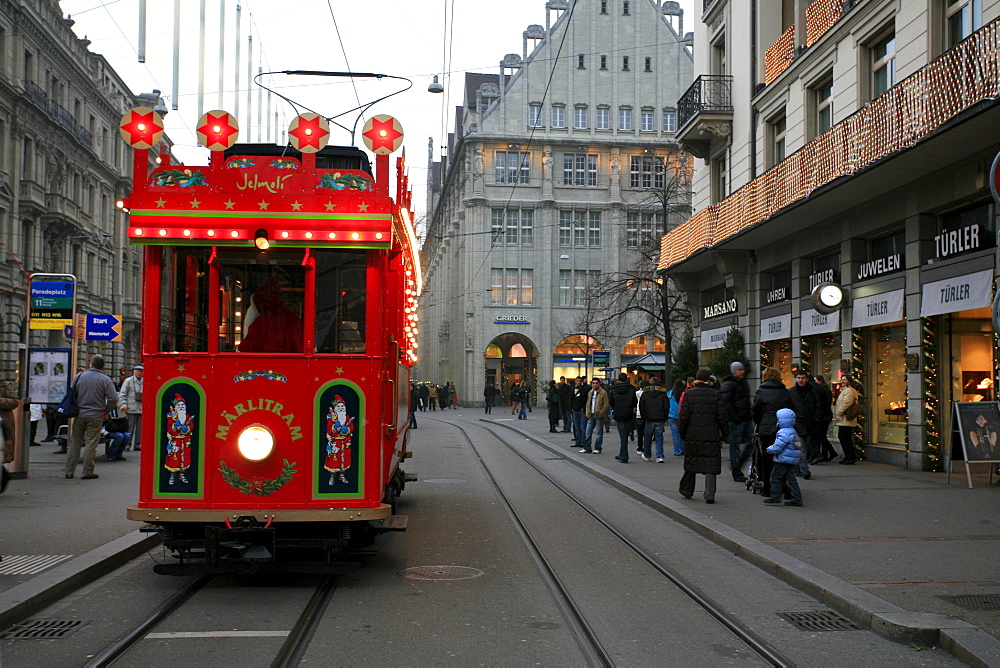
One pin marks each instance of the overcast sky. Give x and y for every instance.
(397, 37)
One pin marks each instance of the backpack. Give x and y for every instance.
(68, 406)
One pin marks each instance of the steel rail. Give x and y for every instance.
(295, 645)
(755, 643)
(585, 636)
(137, 633)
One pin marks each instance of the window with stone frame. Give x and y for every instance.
(883, 63)
(603, 118)
(535, 116)
(624, 119)
(580, 169)
(669, 120)
(558, 116)
(646, 121)
(961, 19)
(580, 118)
(646, 171)
(513, 167)
(512, 227)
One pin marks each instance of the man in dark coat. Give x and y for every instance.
(771, 396)
(735, 396)
(805, 403)
(623, 403)
(655, 408)
(565, 403)
(703, 424)
(825, 418)
(579, 405)
(425, 394)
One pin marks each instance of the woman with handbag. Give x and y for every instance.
(846, 412)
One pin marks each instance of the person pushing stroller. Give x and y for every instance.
(787, 453)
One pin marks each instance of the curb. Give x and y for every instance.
(29, 597)
(957, 637)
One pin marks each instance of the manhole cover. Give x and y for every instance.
(44, 629)
(444, 480)
(441, 573)
(975, 601)
(818, 620)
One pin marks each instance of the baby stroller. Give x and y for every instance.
(755, 482)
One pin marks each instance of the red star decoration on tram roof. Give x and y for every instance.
(383, 135)
(309, 132)
(218, 130)
(141, 128)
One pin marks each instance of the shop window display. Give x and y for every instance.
(889, 377)
(779, 356)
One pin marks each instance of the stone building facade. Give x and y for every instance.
(63, 166)
(546, 187)
(849, 143)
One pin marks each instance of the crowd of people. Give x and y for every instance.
(787, 425)
(427, 396)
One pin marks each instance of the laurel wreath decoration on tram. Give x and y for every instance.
(257, 486)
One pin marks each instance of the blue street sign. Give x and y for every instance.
(102, 327)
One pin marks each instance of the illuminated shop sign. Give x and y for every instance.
(512, 320)
(720, 308)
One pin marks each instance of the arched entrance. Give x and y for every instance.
(511, 358)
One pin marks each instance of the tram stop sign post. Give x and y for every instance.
(995, 189)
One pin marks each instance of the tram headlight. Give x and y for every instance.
(255, 442)
(260, 239)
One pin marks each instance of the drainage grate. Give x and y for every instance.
(44, 629)
(29, 564)
(975, 601)
(441, 573)
(818, 620)
(444, 480)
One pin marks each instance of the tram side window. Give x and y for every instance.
(261, 301)
(184, 300)
(340, 301)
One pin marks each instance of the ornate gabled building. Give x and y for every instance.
(63, 166)
(849, 143)
(549, 185)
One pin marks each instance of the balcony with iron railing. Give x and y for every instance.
(37, 94)
(899, 119)
(705, 113)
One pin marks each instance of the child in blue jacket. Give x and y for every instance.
(787, 453)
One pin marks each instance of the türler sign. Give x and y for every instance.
(721, 308)
(958, 241)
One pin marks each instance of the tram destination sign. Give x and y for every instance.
(51, 304)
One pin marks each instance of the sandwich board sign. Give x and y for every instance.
(975, 435)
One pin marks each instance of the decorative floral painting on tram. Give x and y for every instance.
(339, 440)
(178, 441)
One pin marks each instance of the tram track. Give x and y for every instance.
(587, 640)
(290, 654)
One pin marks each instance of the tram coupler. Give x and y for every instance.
(243, 541)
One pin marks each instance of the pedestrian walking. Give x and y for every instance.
(444, 396)
(596, 412)
(489, 396)
(526, 386)
(566, 403)
(704, 424)
(432, 396)
(579, 411)
(95, 395)
(452, 396)
(36, 417)
(805, 403)
(787, 453)
(516, 399)
(674, 395)
(414, 403)
(425, 396)
(552, 405)
(640, 423)
(655, 408)
(827, 453)
(847, 411)
(735, 395)
(8, 402)
(770, 397)
(623, 403)
(130, 405)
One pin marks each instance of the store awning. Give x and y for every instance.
(647, 362)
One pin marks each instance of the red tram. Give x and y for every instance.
(279, 328)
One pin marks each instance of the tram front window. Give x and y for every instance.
(184, 300)
(340, 301)
(261, 301)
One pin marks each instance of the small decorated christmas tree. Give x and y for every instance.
(731, 351)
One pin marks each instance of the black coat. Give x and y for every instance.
(825, 395)
(654, 404)
(771, 397)
(489, 392)
(735, 394)
(703, 424)
(552, 404)
(516, 394)
(805, 403)
(579, 402)
(623, 401)
(565, 396)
